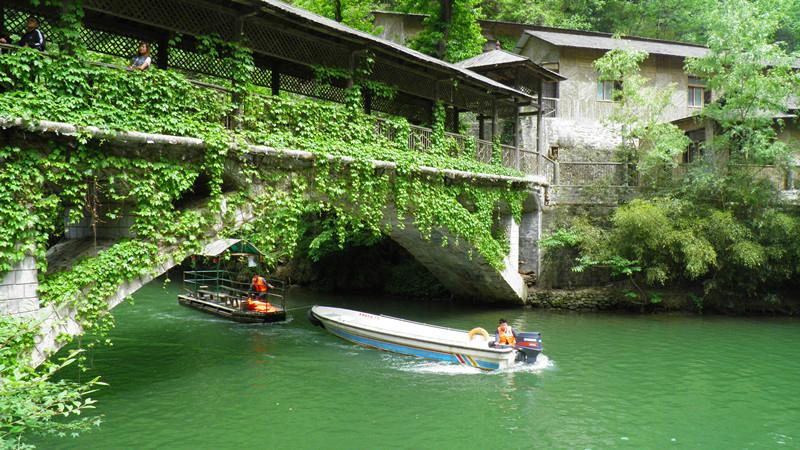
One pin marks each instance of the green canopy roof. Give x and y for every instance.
(220, 246)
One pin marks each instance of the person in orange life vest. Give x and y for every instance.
(258, 300)
(505, 334)
(260, 286)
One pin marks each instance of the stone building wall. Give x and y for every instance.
(18, 288)
(571, 140)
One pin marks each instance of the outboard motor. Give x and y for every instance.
(529, 345)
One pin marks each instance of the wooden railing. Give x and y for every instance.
(549, 107)
(524, 160)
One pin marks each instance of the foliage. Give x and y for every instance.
(176, 198)
(41, 186)
(754, 77)
(354, 13)
(32, 402)
(739, 246)
(556, 13)
(451, 30)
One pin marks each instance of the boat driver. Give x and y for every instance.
(505, 335)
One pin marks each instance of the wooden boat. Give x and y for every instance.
(224, 290)
(402, 336)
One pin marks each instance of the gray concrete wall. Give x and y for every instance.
(573, 140)
(104, 229)
(18, 288)
(398, 28)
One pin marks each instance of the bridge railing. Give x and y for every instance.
(421, 139)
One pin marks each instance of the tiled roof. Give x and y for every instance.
(605, 41)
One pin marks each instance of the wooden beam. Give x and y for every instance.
(539, 121)
(275, 82)
(366, 96)
(162, 58)
(494, 119)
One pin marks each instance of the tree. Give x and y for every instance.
(354, 13)
(34, 402)
(451, 28)
(554, 13)
(753, 76)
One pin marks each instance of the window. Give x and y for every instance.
(695, 150)
(697, 94)
(605, 90)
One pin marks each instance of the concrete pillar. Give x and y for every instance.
(513, 233)
(18, 288)
(530, 231)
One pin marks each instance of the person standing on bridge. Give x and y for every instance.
(33, 37)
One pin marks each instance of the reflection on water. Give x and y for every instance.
(182, 379)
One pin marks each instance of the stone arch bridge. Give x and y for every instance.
(465, 273)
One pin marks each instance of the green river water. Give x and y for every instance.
(183, 379)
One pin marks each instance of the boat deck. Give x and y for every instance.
(236, 313)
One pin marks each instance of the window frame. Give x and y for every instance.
(693, 85)
(616, 85)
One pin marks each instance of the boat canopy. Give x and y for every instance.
(236, 246)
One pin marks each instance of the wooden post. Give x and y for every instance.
(162, 59)
(435, 104)
(539, 121)
(275, 81)
(494, 119)
(352, 69)
(516, 134)
(481, 127)
(366, 96)
(455, 119)
(237, 98)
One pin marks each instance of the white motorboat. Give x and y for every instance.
(472, 348)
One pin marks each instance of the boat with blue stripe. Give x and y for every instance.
(470, 348)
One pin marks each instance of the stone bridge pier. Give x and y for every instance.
(467, 274)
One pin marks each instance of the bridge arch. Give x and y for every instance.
(460, 268)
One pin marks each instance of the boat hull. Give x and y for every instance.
(486, 358)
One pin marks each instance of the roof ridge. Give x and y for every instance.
(609, 35)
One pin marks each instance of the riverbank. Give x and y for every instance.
(619, 297)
